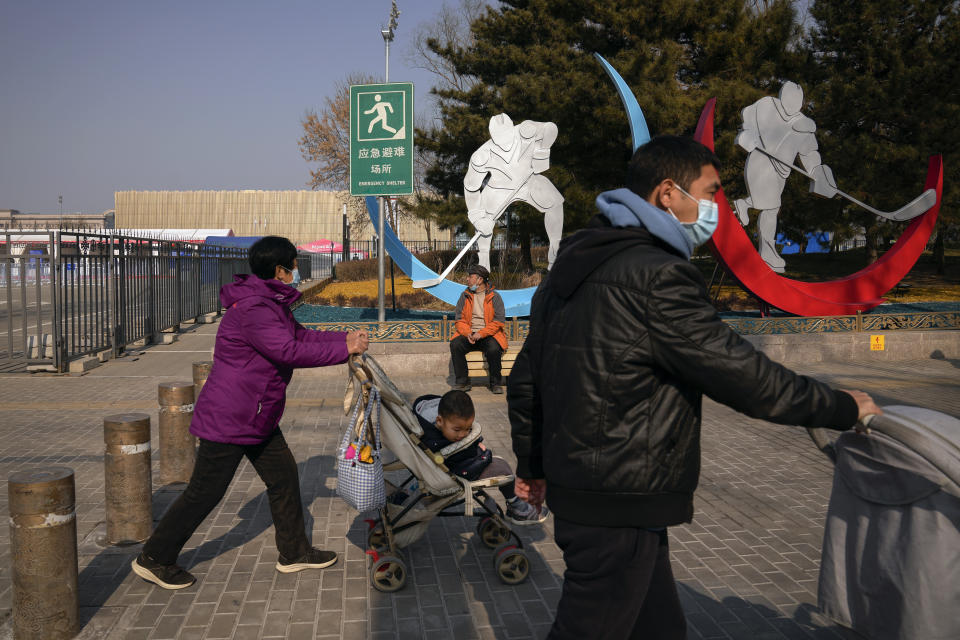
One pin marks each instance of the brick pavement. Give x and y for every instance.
(747, 565)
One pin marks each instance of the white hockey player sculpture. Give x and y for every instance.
(774, 133)
(507, 169)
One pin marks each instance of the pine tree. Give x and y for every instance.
(533, 60)
(885, 98)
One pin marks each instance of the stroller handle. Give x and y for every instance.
(822, 441)
(356, 363)
(894, 423)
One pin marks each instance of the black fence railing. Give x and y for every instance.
(73, 294)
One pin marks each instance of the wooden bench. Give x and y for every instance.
(477, 365)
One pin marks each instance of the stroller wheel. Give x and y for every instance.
(388, 574)
(511, 563)
(492, 533)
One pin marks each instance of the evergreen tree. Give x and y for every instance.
(533, 60)
(885, 98)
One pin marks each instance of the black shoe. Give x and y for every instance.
(313, 559)
(466, 386)
(496, 389)
(168, 576)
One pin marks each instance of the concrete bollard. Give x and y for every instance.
(201, 371)
(178, 449)
(128, 484)
(43, 548)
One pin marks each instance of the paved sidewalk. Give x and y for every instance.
(747, 565)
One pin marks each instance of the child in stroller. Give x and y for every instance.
(449, 418)
(420, 486)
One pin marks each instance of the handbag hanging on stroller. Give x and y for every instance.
(359, 465)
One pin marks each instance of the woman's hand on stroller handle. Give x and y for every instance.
(357, 341)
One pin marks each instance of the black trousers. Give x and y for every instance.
(618, 584)
(460, 346)
(216, 465)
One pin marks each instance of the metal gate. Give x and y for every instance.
(29, 332)
(67, 295)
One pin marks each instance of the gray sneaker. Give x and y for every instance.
(524, 513)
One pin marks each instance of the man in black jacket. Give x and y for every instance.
(605, 397)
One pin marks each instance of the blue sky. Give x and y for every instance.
(103, 96)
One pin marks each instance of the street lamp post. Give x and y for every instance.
(387, 33)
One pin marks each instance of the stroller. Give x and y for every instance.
(429, 489)
(889, 567)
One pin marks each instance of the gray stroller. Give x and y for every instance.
(891, 546)
(428, 490)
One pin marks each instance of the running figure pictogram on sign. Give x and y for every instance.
(380, 108)
(380, 115)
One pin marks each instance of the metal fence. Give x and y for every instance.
(66, 295)
(317, 266)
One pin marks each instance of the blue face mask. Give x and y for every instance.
(473, 288)
(296, 276)
(708, 217)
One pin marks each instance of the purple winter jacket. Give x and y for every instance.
(258, 346)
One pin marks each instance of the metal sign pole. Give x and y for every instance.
(381, 314)
(381, 147)
(387, 34)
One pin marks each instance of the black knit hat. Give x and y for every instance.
(480, 270)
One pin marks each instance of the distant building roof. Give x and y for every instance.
(243, 242)
(183, 235)
(179, 235)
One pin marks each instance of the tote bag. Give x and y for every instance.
(360, 482)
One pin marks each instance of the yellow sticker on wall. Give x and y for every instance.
(876, 343)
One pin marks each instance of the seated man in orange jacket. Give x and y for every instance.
(480, 320)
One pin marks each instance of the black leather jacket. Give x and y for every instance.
(605, 396)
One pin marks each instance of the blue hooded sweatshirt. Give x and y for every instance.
(624, 208)
(625, 218)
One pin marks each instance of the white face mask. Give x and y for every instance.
(708, 217)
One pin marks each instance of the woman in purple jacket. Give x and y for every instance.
(238, 414)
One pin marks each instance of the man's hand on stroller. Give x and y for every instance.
(531, 490)
(866, 408)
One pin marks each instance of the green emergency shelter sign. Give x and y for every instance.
(381, 139)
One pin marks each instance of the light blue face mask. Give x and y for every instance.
(708, 217)
(472, 288)
(295, 272)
